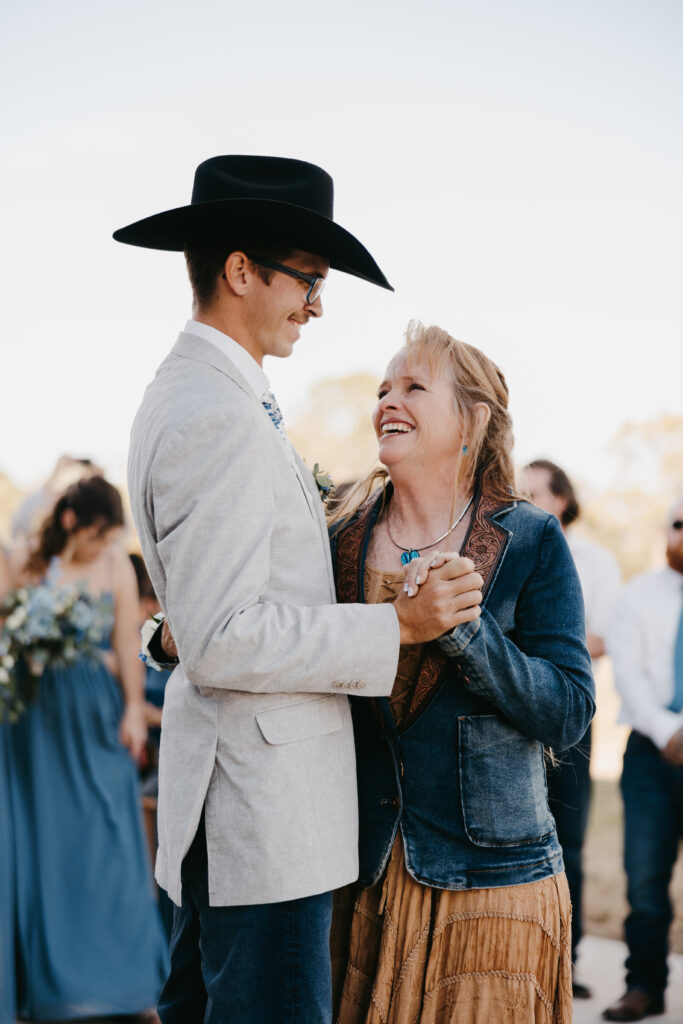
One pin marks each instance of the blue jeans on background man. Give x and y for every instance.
(653, 811)
(569, 792)
(258, 964)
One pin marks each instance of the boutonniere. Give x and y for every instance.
(323, 483)
(148, 630)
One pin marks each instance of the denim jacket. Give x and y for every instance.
(464, 777)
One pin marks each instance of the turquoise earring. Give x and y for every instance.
(465, 449)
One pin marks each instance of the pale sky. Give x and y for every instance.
(514, 167)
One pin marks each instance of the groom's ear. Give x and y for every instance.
(237, 272)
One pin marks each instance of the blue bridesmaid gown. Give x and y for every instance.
(89, 936)
(7, 992)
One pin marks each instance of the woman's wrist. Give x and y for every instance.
(136, 703)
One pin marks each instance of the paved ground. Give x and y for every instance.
(601, 967)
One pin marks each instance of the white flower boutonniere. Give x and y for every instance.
(148, 630)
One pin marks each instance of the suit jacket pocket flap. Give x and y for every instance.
(300, 721)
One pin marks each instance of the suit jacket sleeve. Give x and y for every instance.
(211, 498)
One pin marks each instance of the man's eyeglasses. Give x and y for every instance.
(677, 524)
(314, 281)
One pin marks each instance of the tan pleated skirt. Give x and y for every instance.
(403, 953)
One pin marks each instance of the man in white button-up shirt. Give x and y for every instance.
(646, 645)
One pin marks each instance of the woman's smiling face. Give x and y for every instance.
(416, 418)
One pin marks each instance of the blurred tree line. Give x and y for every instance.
(629, 515)
(10, 498)
(626, 515)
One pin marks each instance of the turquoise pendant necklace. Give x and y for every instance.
(408, 554)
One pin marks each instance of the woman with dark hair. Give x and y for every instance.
(88, 936)
(462, 910)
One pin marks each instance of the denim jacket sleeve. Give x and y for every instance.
(538, 675)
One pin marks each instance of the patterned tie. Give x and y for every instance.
(269, 403)
(677, 703)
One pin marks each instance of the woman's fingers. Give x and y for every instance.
(447, 565)
(415, 574)
(450, 564)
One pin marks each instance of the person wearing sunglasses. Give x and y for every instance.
(646, 645)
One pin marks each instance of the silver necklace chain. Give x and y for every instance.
(411, 552)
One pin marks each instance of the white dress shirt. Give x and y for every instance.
(600, 578)
(641, 643)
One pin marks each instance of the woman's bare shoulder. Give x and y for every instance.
(17, 558)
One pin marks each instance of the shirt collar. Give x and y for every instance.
(235, 352)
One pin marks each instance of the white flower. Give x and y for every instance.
(4, 675)
(17, 617)
(149, 628)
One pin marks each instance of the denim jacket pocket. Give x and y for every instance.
(502, 783)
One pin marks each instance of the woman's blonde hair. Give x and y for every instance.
(476, 381)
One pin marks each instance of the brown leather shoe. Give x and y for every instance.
(634, 1005)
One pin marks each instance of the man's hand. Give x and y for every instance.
(450, 596)
(673, 751)
(595, 644)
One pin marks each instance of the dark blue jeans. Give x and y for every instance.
(569, 792)
(653, 810)
(265, 964)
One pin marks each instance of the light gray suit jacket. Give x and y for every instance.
(256, 723)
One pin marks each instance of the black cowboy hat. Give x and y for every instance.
(264, 198)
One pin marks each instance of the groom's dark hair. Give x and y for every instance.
(205, 264)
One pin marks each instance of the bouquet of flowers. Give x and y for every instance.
(40, 626)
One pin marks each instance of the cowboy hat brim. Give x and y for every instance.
(264, 220)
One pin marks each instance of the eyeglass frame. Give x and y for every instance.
(310, 279)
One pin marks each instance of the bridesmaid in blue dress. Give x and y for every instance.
(89, 938)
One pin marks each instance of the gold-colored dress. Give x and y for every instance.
(404, 953)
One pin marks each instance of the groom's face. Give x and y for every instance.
(278, 310)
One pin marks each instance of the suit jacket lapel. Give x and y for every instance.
(317, 509)
(190, 346)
